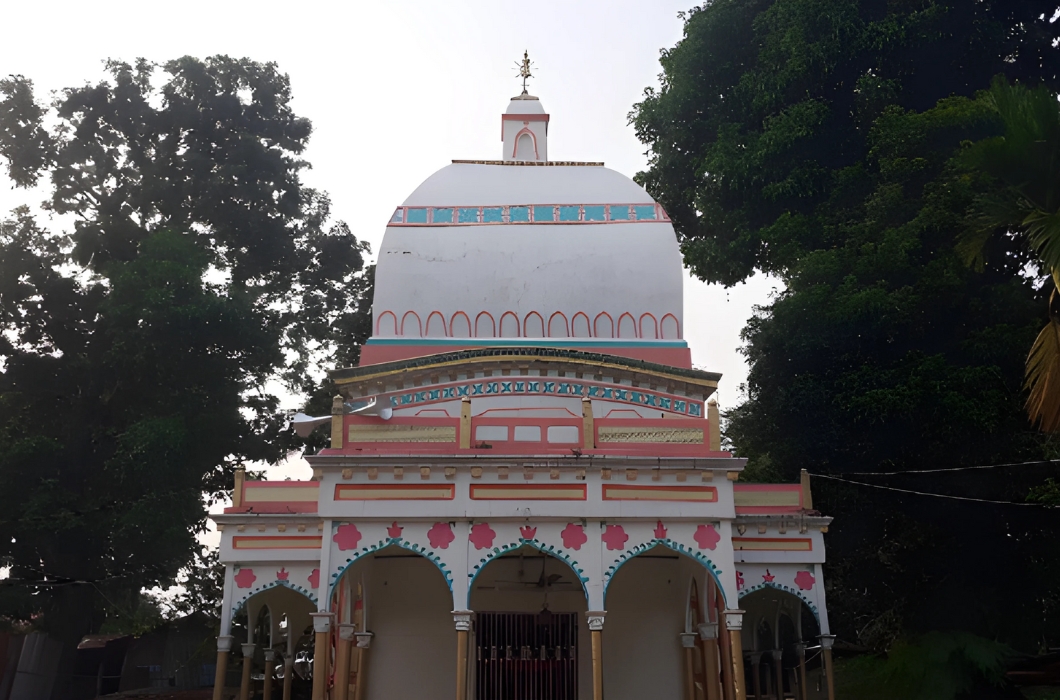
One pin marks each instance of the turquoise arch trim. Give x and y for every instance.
(427, 554)
(311, 596)
(532, 342)
(787, 589)
(631, 553)
(556, 552)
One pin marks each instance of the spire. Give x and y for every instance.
(524, 125)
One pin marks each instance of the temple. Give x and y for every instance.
(525, 495)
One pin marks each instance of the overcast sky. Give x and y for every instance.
(396, 90)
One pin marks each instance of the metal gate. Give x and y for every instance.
(522, 656)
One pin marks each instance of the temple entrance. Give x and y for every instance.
(525, 656)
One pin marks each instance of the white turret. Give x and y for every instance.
(524, 130)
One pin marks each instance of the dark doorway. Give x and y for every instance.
(523, 656)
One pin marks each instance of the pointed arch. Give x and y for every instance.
(436, 326)
(411, 325)
(604, 325)
(627, 326)
(519, 146)
(579, 326)
(460, 325)
(671, 329)
(649, 327)
(557, 326)
(509, 325)
(712, 570)
(485, 326)
(553, 552)
(386, 324)
(533, 325)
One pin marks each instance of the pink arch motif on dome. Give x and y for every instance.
(386, 325)
(515, 143)
(533, 325)
(436, 325)
(671, 329)
(485, 326)
(557, 326)
(604, 325)
(509, 325)
(411, 325)
(649, 327)
(579, 326)
(460, 326)
(627, 326)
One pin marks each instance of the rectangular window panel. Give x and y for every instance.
(543, 214)
(518, 214)
(492, 215)
(527, 433)
(619, 212)
(562, 433)
(396, 218)
(568, 213)
(468, 215)
(416, 216)
(443, 216)
(594, 213)
(497, 433)
(645, 212)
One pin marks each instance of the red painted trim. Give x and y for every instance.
(475, 489)
(533, 138)
(566, 326)
(526, 321)
(492, 326)
(377, 354)
(518, 326)
(524, 117)
(441, 319)
(419, 324)
(452, 325)
(379, 323)
(631, 320)
(596, 329)
(306, 541)
(786, 540)
(588, 325)
(608, 489)
(654, 333)
(662, 327)
(451, 488)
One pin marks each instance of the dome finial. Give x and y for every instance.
(524, 69)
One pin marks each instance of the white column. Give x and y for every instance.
(324, 589)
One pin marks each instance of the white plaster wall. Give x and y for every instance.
(646, 605)
(409, 609)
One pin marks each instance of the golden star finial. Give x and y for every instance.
(524, 69)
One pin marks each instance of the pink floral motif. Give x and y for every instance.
(660, 531)
(482, 535)
(739, 581)
(527, 532)
(573, 536)
(768, 577)
(282, 574)
(314, 578)
(245, 578)
(394, 531)
(804, 580)
(441, 536)
(615, 537)
(347, 536)
(706, 537)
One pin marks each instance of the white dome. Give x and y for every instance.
(492, 250)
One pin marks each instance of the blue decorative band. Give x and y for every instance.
(529, 214)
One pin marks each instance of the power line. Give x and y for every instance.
(959, 469)
(934, 495)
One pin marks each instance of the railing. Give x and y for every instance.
(521, 656)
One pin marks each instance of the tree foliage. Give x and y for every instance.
(821, 142)
(141, 342)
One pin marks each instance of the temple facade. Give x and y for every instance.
(525, 496)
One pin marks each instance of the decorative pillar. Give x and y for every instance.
(756, 674)
(734, 625)
(800, 649)
(338, 421)
(688, 643)
(778, 665)
(288, 674)
(342, 661)
(826, 653)
(248, 663)
(270, 662)
(364, 640)
(462, 618)
(708, 633)
(596, 627)
(321, 630)
(224, 645)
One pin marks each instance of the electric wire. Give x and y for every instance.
(933, 495)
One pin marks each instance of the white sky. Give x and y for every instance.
(396, 90)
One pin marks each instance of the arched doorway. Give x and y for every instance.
(404, 600)
(276, 620)
(783, 627)
(650, 620)
(530, 639)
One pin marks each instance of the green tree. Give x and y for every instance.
(818, 141)
(138, 344)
